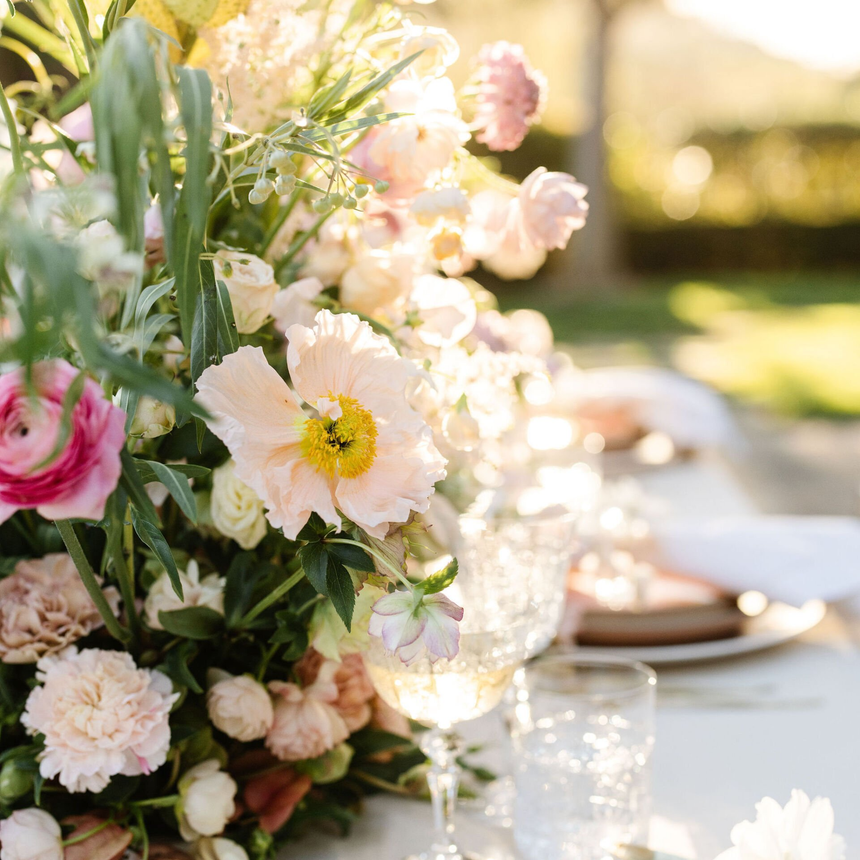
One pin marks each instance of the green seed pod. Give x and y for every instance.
(14, 782)
(335, 199)
(380, 187)
(279, 158)
(350, 203)
(360, 190)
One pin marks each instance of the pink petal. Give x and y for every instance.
(442, 633)
(297, 490)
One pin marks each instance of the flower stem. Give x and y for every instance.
(76, 551)
(12, 131)
(377, 555)
(81, 837)
(270, 598)
(168, 800)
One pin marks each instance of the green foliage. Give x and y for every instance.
(440, 580)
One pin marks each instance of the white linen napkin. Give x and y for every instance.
(788, 558)
(691, 414)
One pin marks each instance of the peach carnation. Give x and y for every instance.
(100, 715)
(306, 724)
(365, 451)
(44, 607)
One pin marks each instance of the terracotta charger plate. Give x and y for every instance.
(687, 620)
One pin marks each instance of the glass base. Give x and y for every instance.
(444, 855)
(500, 796)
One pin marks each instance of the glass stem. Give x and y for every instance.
(442, 747)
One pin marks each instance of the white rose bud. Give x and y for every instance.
(152, 419)
(206, 800)
(236, 510)
(219, 848)
(251, 284)
(240, 707)
(30, 834)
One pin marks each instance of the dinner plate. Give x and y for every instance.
(779, 623)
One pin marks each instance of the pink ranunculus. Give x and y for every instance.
(79, 480)
(307, 723)
(552, 206)
(510, 95)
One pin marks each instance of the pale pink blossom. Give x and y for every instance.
(408, 151)
(294, 305)
(76, 483)
(509, 96)
(410, 623)
(445, 309)
(355, 690)
(802, 830)
(153, 235)
(30, 834)
(552, 206)
(44, 607)
(306, 723)
(368, 453)
(100, 716)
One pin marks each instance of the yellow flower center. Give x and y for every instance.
(344, 446)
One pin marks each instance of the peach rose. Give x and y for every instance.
(240, 707)
(306, 723)
(354, 687)
(44, 607)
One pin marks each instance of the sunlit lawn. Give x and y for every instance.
(789, 342)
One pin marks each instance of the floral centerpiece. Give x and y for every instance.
(243, 382)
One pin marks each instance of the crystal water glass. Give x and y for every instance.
(583, 733)
(442, 695)
(514, 573)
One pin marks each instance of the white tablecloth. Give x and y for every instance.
(710, 765)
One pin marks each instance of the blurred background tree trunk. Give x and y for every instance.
(593, 261)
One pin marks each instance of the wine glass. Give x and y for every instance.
(441, 695)
(514, 571)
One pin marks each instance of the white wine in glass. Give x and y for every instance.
(441, 695)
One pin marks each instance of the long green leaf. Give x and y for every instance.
(151, 535)
(178, 487)
(195, 92)
(228, 335)
(204, 336)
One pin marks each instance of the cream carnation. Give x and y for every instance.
(252, 287)
(237, 511)
(207, 800)
(368, 453)
(240, 707)
(100, 715)
(30, 834)
(306, 722)
(44, 607)
(208, 592)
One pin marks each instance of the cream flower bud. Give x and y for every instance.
(237, 511)
(240, 707)
(219, 848)
(252, 287)
(152, 419)
(206, 800)
(207, 592)
(30, 834)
